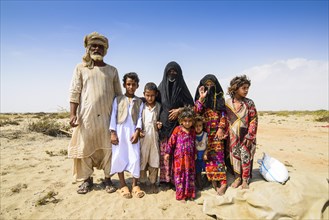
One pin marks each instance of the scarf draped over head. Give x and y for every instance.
(93, 38)
(215, 95)
(172, 96)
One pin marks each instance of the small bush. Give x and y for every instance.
(8, 122)
(49, 198)
(47, 126)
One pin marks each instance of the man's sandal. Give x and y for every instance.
(86, 186)
(137, 192)
(109, 186)
(125, 193)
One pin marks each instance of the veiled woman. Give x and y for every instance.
(173, 94)
(210, 103)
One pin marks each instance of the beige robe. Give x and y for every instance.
(94, 91)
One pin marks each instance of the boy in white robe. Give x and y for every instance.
(125, 129)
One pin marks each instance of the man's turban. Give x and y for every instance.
(93, 38)
(96, 38)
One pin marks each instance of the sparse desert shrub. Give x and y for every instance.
(8, 122)
(60, 153)
(49, 198)
(47, 126)
(18, 187)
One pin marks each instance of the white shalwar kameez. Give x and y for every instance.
(125, 155)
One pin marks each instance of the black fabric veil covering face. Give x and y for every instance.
(215, 96)
(172, 95)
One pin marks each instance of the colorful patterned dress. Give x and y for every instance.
(215, 165)
(182, 145)
(243, 126)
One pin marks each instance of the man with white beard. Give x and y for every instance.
(93, 88)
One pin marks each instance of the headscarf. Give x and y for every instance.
(93, 38)
(215, 96)
(172, 96)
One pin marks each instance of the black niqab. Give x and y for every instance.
(215, 96)
(172, 95)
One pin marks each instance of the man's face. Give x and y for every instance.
(96, 52)
(172, 75)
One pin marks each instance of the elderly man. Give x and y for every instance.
(93, 88)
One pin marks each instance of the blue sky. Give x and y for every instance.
(282, 46)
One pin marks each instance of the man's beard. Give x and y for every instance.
(96, 57)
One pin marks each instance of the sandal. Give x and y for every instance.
(109, 186)
(125, 193)
(86, 186)
(137, 192)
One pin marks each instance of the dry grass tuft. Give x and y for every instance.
(18, 188)
(48, 127)
(48, 198)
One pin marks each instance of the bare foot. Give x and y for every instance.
(236, 183)
(221, 190)
(154, 188)
(244, 184)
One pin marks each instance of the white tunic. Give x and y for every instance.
(125, 155)
(94, 91)
(150, 143)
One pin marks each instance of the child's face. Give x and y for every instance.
(187, 123)
(198, 127)
(130, 85)
(150, 96)
(243, 90)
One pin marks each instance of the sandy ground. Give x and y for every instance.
(29, 172)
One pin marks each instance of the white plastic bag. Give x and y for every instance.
(273, 170)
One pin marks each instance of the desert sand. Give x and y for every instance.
(32, 166)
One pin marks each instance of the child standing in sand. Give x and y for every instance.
(181, 145)
(150, 155)
(201, 142)
(125, 126)
(242, 118)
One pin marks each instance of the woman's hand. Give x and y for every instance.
(173, 114)
(166, 157)
(202, 93)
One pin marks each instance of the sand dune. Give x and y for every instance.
(32, 166)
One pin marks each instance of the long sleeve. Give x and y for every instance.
(139, 119)
(76, 86)
(172, 141)
(116, 83)
(198, 107)
(253, 121)
(113, 122)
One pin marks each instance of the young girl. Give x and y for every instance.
(210, 103)
(181, 145)
(125, 127)
(201, 142)
(150, 155)
(242, 134)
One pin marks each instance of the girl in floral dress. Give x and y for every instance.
(181, 145)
